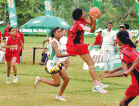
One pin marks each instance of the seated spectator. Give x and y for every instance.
(43, 59)
(2, 55)
(98, 40)
(46, 53)
(0, 36)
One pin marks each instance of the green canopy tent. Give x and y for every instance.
(43, 25)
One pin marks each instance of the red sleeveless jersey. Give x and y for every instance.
(76, 34)
(13, 41)
(75, 43)
(129, 55)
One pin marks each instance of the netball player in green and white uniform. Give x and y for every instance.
(54, 66)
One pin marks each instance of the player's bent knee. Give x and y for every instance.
(121, 103)
(67, 80)
(13, 64)
(57, 84)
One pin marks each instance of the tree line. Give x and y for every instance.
(116, 11)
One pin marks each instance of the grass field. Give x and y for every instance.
(78, 92)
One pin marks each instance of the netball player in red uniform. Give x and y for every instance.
(128, 55)
(22, 38)
(75, 44)
(12, 50)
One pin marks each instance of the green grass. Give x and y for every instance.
(78, 92)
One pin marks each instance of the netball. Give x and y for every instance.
(94, 10)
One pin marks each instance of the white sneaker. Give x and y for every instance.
(8, 80)
(99, 89)
(37, 80)
(60, 98)
(15, 79)
(102, 85)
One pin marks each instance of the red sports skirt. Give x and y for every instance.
(77, 49)
(132, 90)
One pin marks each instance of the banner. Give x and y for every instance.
(39, 31)
(12, 13)
(137, 9)
(48, 7)
(97, 56)
(97, 3)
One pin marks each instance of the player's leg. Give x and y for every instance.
(111, 58)
(87, 58)
(66, 63)
(55, 82)
(20, 55)
(8, 72)
(105, 58)
(65, 78)
(126, 100)
(13, 62)
(8, 58)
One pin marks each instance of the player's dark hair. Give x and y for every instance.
(8, 23)
(109, 23)
(53, 31)
(63, 29)
(17, 26)
(10, 29)
(124, 38)
(77, 14)
(126, 26)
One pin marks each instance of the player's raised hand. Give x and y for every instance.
(95, 16)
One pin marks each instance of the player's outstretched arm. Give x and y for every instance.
(113, 71)
(118, 74)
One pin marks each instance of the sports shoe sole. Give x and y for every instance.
(98, 91)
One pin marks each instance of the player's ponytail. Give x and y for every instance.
(53, 31)
(124, 38)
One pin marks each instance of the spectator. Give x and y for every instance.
(63, 41)
(137, 40)
(2, 54)
(109, 38)
(127, 29)
(46, 54)
(20, 34)
(122, 27)
(6, 31)
(0, 36)
(98, 40)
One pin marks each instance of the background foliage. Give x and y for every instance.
(116, 11)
